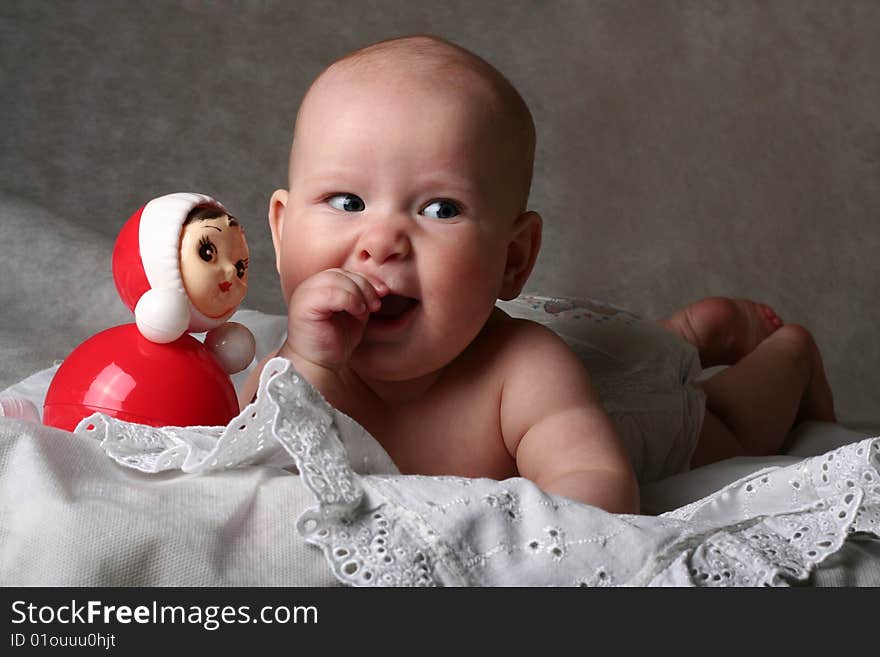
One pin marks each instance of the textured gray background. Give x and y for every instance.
(685, 148)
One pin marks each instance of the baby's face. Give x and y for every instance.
(401, 182)
(213, 265)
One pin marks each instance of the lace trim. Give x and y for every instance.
(767, 551)
(844, 488)
(366, 547)
(771, 528)
(254, 436)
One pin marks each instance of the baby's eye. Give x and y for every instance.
(347, 202)
(207, 250)
(241, 267)
(441, 209)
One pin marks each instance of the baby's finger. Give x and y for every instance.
(348, 281)
(378, 284)
(327, 300)
(372, 288)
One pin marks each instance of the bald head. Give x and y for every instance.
(415, 66)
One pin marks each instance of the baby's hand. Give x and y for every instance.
(327, 314)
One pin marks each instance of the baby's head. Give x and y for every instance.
(400, 77)
(411, 162)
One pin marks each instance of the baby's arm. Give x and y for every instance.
(556, 429)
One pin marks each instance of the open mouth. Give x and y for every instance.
(394, 308)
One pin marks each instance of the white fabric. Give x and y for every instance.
(380, 528)
(644, 374)
(71, 516)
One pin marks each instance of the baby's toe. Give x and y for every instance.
(770, 315)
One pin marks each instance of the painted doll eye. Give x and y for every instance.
(441, 209)
(347, 202)
(207, 250)
(241, 267)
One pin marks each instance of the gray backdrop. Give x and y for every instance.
(685, 149)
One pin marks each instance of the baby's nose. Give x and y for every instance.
(384, 243)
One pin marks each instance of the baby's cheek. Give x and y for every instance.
(292, 267)
(310, 257)
(478, 275)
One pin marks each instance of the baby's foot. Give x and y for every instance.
(723, 330)
(817, 402)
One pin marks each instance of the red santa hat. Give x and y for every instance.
(146, 268)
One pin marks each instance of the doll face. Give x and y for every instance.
(214, 264)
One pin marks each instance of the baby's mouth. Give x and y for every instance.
(394, 306)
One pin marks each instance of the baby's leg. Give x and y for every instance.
(723, 330)
(751, 406)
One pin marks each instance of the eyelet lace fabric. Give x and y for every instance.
(379, 528)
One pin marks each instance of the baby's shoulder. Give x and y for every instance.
(520, 345)
(541, 377)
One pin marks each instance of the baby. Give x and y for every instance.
(406, 219)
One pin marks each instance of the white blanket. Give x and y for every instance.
(71, 516)
(377, 527)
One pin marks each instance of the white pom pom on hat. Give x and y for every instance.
(162, 315)
(146, 268)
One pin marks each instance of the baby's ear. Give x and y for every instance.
(522, 251)
(277, 205)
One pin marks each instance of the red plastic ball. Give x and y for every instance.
(122, 374)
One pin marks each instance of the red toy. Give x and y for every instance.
(180, 263)
(121, 373)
